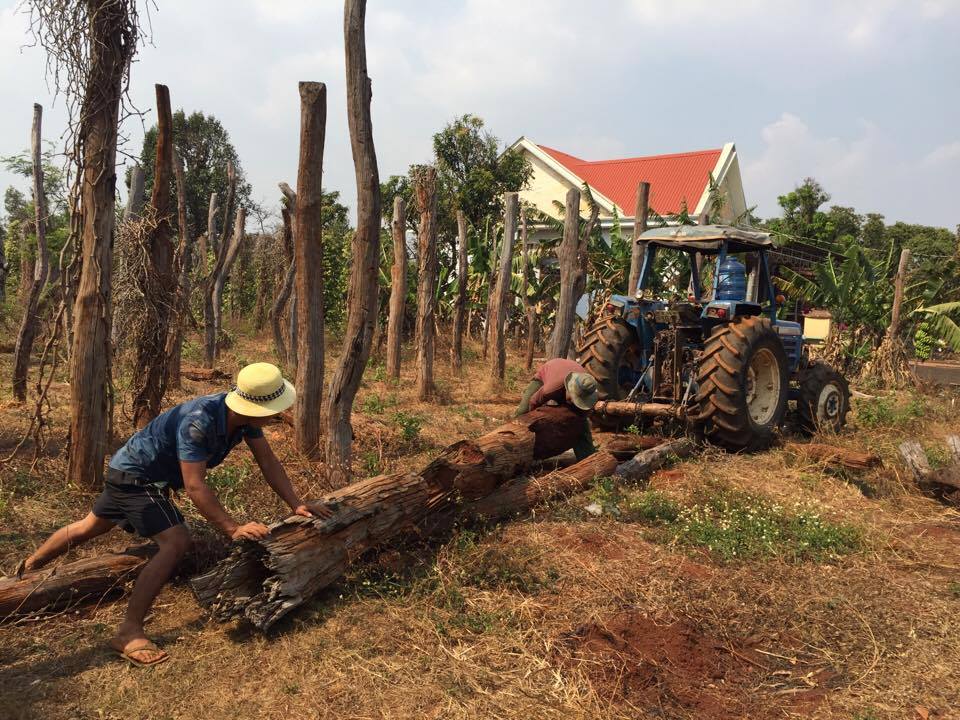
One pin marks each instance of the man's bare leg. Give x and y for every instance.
(67, 537)
(173, 543)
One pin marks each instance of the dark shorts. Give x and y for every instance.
(136, 507)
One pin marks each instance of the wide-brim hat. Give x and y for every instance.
(261, 391)
(582, 390)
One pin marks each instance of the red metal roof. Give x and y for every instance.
(672, 178)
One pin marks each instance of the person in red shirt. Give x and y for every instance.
(564, 382)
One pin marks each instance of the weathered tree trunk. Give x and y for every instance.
(894, 330)
(211, 309)
(184, 264)
(135, 199)
(156, 279)
(276, 311)
(559, 343)
(30, 321)
(4, 269)
(398, 289)
(28, 263)
(308, 273)
(460, 311)
(639, 227)
(500, 303)
(205, 240)
(363, 293)
(108, 60)
(425, 189)
(264, 581)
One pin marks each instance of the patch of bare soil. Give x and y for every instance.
(673, 669)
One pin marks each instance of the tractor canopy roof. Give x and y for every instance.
(707, 238)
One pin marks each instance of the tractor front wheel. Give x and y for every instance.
(743, 384)
(824, 398)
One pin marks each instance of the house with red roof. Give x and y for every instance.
(674, 179)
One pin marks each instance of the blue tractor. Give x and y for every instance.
(701, 342)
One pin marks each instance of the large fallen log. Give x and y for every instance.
(72, 583)
(263, 581)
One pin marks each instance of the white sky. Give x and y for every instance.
(861, 95)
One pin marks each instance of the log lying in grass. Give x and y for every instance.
(522, 493)
(72, 583)
(830, 455)
(263, 581)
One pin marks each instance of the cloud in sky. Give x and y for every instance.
(857, 93)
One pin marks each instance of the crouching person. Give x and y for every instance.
(173, 452)
(564, 382)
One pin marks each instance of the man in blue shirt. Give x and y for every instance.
(173, 452)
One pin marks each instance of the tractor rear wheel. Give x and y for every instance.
(743, 384)
(611, 344)
(824, 398)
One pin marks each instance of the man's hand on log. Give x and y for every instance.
(250, 531)
(307, 512)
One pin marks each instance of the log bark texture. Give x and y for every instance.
(308, 273)
(639, 227)
(156, 279)
(108, 60)
(363, 293)
(29, 322)
(425, 190)
(460, 309)
(500, 302)
(398, 287)
(263, 581)
(559, 344)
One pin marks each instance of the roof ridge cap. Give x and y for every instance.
(653, 157)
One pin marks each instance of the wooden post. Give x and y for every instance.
(559, 344)
(308, 275)
(183, 265)
(363, 295)
(500, 305)
(895, 316)
(640, 215)
(29, 321)
(425, 189)
(108, 60)
(211, 311)
(156, 278)
(528, 306)
(276, 311)
(398, 289)
(463, 279)
(232, 247)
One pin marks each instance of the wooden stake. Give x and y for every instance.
(500, 303)
(398, 289)
(425, 190)
(894, 330)
(460, 311)
(559, 344)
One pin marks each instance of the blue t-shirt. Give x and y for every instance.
(193, 431)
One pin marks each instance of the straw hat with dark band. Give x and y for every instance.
(261, 391)
(582, 390)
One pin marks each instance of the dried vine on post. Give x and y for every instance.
(425, 190)
(155, 278)
(29, 322)
(308, 259)
(90, 46)
(363, 292)
(398, 289)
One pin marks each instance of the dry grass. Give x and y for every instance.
(485, 623)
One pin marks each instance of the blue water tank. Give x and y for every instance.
(732, 283)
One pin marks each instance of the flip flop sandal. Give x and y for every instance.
(128, 655)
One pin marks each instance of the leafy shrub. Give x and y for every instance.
(409, 425)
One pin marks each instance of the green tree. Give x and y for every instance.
(204, 146)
